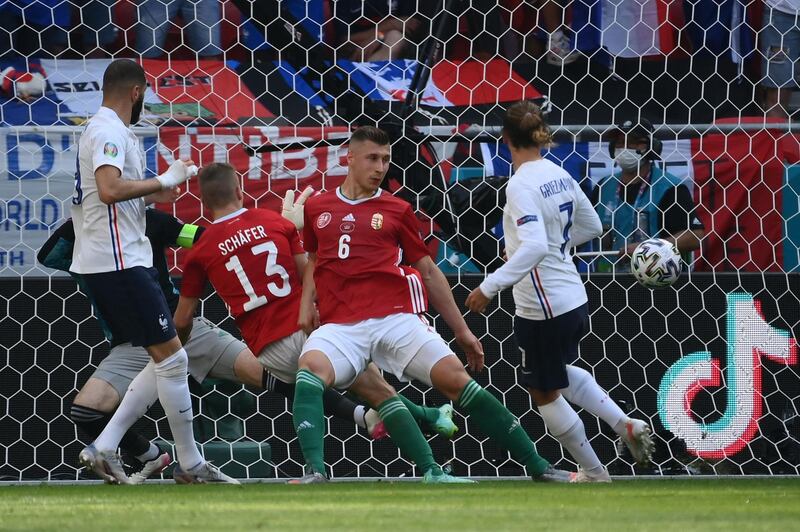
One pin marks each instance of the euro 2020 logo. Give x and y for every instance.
(749, 339)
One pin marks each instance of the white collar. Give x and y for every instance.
(229, 216)
(345, 199)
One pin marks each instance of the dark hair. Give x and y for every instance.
(218, 184)
(372, 134)
(122, 74)
(525, 127)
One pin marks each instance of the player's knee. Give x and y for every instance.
(97, 394)
(543, 397)
(317, 363)
(449, 377)
(248, 369)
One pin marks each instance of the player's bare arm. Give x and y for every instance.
(184, 316)
(441, 297)
(167, 195)
(308, 319)
(113, 188)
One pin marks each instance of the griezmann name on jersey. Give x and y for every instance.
(248, 256)
(363, 250)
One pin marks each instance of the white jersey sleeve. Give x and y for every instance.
(526, 214)
(108, 148)
(586, 224)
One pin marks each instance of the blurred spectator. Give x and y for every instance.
(100, 30)
(26, 84)
(548, 22)
(780, 48)
(485, 28)
(33, 27)
(201, 22)
(642, 201)
(375, 30)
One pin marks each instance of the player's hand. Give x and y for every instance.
(477, 301)
(308, 319)
(177, 173)
(472, 348)
(293, 209)
(166, 195)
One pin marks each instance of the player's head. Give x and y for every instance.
(368, 157)
(219, 187)
(524, 126)
(124, 83)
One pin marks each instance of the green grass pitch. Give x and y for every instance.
(685, 505)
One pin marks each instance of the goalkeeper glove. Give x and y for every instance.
(177, 173)
(293, 210)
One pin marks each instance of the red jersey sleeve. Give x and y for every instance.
(295, 244)
(309, 238)
(194, 276)
(410, 241)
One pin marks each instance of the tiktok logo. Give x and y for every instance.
(749, 339)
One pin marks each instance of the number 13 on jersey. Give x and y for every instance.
(272, 268)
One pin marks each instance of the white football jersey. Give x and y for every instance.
(545, 216)
(108, 237)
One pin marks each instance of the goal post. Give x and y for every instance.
(711, 362)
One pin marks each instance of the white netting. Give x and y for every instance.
(273, 87)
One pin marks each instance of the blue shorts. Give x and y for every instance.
(780, 48)
(132, 305)
(547, 347)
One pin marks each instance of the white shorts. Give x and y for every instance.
(391, 342)
(281, 356)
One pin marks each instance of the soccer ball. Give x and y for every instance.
(656, 263)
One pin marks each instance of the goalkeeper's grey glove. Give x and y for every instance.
(177, 173)
(293, 210)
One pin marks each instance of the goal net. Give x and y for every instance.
(274, 88)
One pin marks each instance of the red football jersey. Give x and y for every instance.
(360, 247)
(249, 258)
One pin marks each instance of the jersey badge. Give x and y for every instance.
(377, 221)
(526, 219)
(347, 227)
(323, 220)
(110, 149)
(162, 320)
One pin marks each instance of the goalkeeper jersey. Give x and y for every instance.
(545, 216)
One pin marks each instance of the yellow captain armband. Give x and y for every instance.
(186, 236)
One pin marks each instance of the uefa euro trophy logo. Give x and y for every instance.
(749, 340)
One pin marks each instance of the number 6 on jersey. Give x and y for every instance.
(344, 246)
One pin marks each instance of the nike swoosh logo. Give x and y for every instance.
(184, 411)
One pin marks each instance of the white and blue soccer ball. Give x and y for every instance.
(656, 263)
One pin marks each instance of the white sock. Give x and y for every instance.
(138, 399)
(584, 391)
(564, 425)
(173, 392)
(358, 416)
(152, 453)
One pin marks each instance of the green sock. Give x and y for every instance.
(422, 414)
(309, 420)
(405, 433)
(495, 420)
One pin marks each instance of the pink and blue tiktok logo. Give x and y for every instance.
(749, 340)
